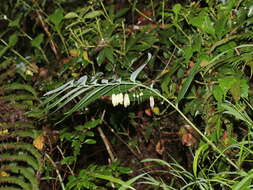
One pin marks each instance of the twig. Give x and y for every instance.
(106, 141)
(57, 171)
(71, 171)
(45, 28)
(130, 149)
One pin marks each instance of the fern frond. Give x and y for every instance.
(18, 86)
(27, 173)
(13, 98)
(16, 181)
(27, 133)
(20, 157)
(16, 125)
(9, 188)
(9, 73)
(37, 163)
(9, 69)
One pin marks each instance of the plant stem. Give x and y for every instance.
(57, 171)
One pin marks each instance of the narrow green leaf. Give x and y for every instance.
(92, 124)
(93, 14)
(136, 73)
(90, 141)
(112, 179)
(244, 183)
(71, 15)
(67, 96)
(70, 83)
(198, 152)
(90, 97)
(188, 82)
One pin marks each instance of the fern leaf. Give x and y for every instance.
(37, 164)
(27, 173)
(20, 157)
(18, 86)
(16, 181)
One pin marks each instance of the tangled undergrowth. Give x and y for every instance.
(127, 94)
(21, 163)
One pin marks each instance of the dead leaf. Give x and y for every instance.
(188, 139)
(160, 147)
(39, 142)
(4, 132)
(189, 136)
(148, 112)
(4, 174)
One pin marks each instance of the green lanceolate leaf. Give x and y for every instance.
(188, 82)
(198, 152)
(137, 71)
(244, 183)
(93, 14)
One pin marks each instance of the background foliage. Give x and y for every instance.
(186, 68)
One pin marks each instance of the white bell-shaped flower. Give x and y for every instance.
(126, 100)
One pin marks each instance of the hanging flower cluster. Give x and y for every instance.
(118, 99)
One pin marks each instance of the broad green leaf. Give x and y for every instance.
(235, 90)
(221, 27)
(109, 54)
(137, 71)
(37, 41)
(101, 56)
(226, 83)
(92, 124)
(203, 22)
(176, 9)
(244, 88)
(218, 93)
(93, 14)
(188, 52)
(57, 17)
